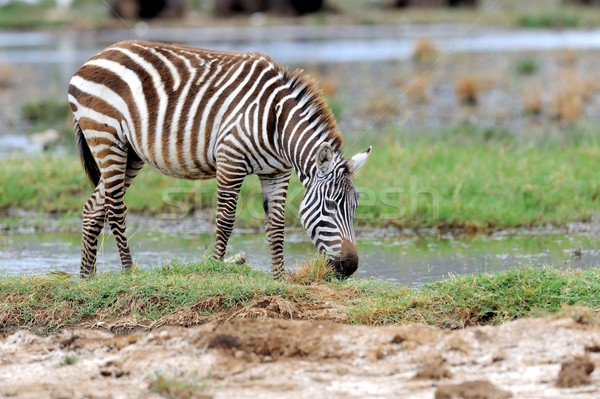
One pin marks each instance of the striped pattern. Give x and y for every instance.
(198, 114)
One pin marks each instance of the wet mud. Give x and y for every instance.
(248, 357)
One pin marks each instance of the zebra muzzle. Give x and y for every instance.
(347, 262)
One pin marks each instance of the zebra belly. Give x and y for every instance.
(195, 169)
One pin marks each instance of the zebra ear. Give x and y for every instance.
(357, 161)
(324, 157)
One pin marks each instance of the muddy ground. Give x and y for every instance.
(276, 358)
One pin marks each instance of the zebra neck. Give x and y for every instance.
(303, 160)
(304, 122)
(299, 145)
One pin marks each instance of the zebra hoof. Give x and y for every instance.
(238, 259)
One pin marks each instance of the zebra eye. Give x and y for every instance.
(330, 204)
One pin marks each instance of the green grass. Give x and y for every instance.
(20, 15)
(68, 360)
(549, 20)
(49, 113)
(49, 110)
(527, 66)
(176, 389)
(478, 299)
(50, 302)
(54, 301)
(465, 177)
(94, 14)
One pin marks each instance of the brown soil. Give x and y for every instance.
(576, 372)
(330, 306)
(268, 358)
(481, 389)
(434, 368)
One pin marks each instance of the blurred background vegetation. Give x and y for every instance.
(457, 115)
(96, 14)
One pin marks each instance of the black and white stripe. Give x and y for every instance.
(199, 114)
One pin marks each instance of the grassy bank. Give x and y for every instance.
(462, 178)
(192, 293)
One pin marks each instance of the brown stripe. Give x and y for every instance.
(114, 82)
(174, 95)
(148, 89)
(246, 67)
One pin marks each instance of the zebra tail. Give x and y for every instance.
(87, 159)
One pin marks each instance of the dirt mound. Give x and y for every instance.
(481, 389)
(576, 372)
(434, 368)
(211, 309)
(281, 358)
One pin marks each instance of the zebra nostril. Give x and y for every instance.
(349, 258)
(344, 267)
(336, 263)
(347, 262)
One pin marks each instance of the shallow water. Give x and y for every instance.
(410, 259)
(290, 44)
(52, 58)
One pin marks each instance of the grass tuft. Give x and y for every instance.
(570, 94)
(527, 66)
(417, 89)
(314, 270)
(532, 98)
(467, 91)
(69, 359)
(176, 389)
(425, 51)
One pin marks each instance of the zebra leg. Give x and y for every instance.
(228, 190)
(274, 191)
(122, 174)
(93, 221)
(116, 213)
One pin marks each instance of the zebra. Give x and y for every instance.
(194, 113)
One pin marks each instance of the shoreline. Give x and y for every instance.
(49, 222)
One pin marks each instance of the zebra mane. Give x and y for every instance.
(311, 95)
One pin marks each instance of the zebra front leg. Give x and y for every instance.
(228, 191)
(93, 222)
(274, 191)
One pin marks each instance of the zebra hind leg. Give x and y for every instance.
(107, 205)
(93, 222)
(117, 211)
(274, 191)
(122, 174)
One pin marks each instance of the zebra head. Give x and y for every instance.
(327, 210)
